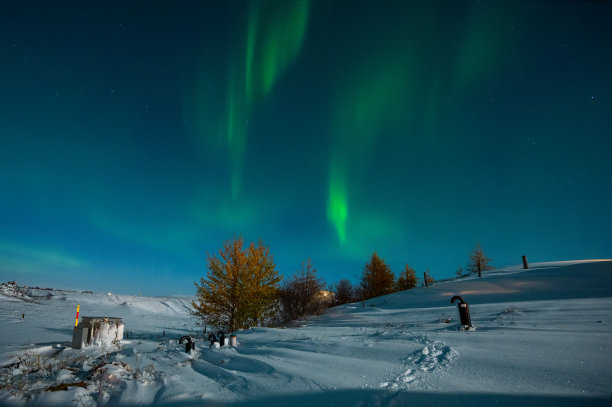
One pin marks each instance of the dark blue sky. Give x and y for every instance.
(136, 137)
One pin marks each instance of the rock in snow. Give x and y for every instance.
(11, 289)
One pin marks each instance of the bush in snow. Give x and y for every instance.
(344, 292)
(303, 294)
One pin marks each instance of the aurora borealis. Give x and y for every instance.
(136, 137)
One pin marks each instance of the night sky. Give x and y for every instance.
(136, 137)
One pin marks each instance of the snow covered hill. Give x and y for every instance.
(543, 337)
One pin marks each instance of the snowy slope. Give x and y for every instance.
(543, 337)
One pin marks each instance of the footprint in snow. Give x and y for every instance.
(432, 356)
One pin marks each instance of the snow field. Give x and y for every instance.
(537, 341)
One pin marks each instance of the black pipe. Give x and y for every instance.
(212, 339)
(190, 345)
(221, 338)
(456, 297)
(464, 312)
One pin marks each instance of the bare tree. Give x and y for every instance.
(302, 295)
(478, 261)
(344, 292)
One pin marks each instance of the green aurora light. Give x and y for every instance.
(273, 41)
(135, 139)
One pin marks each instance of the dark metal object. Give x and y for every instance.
(212, 339)
(221, 338)
(189, 346)
(525, 265)
(464, 312)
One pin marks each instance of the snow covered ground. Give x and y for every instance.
(543, 337)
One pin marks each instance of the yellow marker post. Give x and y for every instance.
(76, 323)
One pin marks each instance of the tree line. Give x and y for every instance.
(242, 287)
